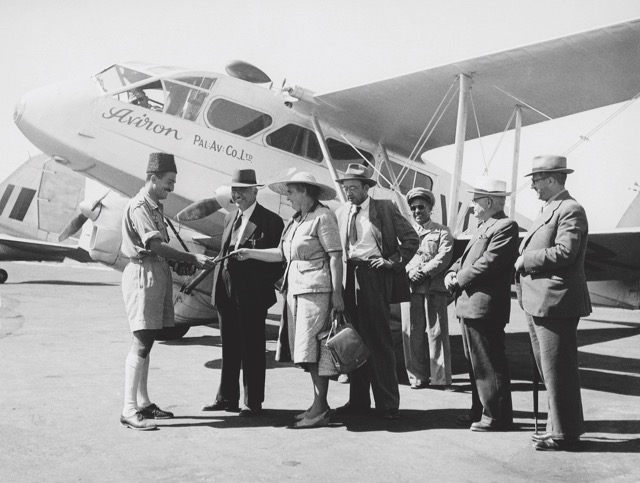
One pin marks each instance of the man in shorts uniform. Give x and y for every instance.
(147, 285)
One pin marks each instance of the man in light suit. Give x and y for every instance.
(243, 292)
(552, 291)
(481, 279)
(378, 242)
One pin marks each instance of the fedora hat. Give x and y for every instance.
(303, 177)
(244, 178)
(421, 193)
(358, 172)
(549, 164)
(489, 187)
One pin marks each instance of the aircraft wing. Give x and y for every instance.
(557, 77)
(22, 249)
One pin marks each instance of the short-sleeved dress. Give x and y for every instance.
(306, 244)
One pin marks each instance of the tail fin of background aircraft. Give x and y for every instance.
(631, 217)
(39, 198)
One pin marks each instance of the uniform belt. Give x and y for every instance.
(358, 262)
(139, 261)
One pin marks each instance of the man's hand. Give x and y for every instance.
(451, 282)
(416, 276)
(203, 261)
(380, 263)
(520, 264)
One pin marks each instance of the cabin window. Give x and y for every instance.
(237, 119)
(184, 101)
(407, 177)
(296, 140)
(343, 154)
(117, 76)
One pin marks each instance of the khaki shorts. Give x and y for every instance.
(147, 288)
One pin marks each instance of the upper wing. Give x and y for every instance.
(558, 77)
(14, 249)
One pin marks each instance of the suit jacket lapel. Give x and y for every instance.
(376, 224)
(541, 220)
(480, 231)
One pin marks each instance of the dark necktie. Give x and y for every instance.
(353, 231)
(235, 232)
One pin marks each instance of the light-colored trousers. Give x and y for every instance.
(425, 339)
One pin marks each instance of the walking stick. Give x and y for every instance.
(535, 379)
(189, 285)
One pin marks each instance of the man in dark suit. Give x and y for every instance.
(481, 279)
(378, 242)
(243, 292)
(552, 290)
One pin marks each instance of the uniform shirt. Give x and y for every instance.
(432, 257)
(143, 220)
(365, 246)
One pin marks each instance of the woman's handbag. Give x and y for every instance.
(326, 366)
(346, 346)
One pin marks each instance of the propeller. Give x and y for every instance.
(207, 206)
(88, 211)
(245, 71)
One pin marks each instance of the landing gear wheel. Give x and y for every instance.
(172, 333)
(3, 276)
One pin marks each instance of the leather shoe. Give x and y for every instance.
(138, 422)
(551, 444)
(319, 421)
(481, 426)
(420, 385)
(154, 412)
(351, 409)
(221, 405)
(247, 412)
(391, 414)
(540, 436)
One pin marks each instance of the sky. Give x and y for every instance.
(326, 45)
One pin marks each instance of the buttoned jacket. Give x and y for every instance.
(251, 280)
(485, 271)
(432, 258)
(554, 283)
(396, 239)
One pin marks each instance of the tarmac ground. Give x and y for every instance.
(63, 342)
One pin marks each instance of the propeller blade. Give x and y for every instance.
(200, 209)
(72, 227)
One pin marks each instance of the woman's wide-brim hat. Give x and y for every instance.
(244, 178)
(421, 193)
(303, 177)
(549, 164)
(358, 172)
(487, 186)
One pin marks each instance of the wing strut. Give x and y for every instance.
(327, 157)
(461, 130)
(516, 160)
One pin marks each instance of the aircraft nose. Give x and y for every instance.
(19, 110)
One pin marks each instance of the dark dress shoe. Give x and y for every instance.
(351, 409)
(247, 411)
(154, 412)
(222, 405)
(551, 444)
(481, 426)
(420, 385)
(138, 422)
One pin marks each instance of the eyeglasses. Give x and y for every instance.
(417, 207)
(534, 181)
(475, 201)
(351, 189)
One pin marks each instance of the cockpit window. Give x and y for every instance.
(407, 177)
(117, 76)
(171, 96)
(343, 154)
(234, 118)
(296, 140)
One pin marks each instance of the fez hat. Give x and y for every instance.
(161, 163)
(304, 177)
(358, 172)
(244, 178)
(421, 193)
(549, 164)
(489, 187)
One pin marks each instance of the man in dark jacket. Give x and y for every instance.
(481, 279)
